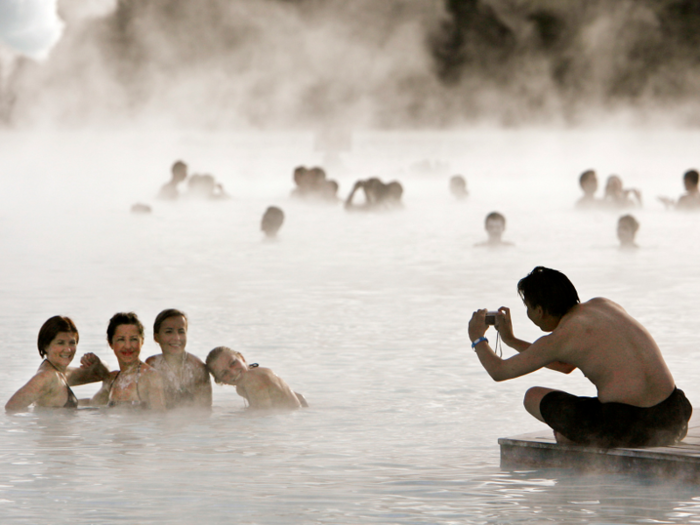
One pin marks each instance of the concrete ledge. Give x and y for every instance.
(540, 450)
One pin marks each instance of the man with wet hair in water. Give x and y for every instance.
(589, 184)
(638, 403)
(690, 200)
(261, 387)
(495, 225)
(627, 227)
(169, 190)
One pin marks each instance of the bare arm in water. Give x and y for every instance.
(264, 389)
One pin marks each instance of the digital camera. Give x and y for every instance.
(491, 318)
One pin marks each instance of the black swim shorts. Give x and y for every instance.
(587, 421)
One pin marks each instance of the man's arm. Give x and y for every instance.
(536, 356)
(504, 325)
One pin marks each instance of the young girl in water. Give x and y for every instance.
(185, 378)
(135, 384)
(57, 343)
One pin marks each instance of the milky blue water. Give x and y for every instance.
(366, 315)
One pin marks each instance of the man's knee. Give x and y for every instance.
(532, 400)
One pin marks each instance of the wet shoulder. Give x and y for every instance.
(154, 360)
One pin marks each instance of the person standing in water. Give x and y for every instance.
(185, 378)
(638, 403)
(135, 384)
(627, 227)
(50, 387)
(272, 221)
(261, 387)
(169, 190)
(495, 225)
(690, 200)
(589, 184)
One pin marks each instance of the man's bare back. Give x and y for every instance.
(614, 351)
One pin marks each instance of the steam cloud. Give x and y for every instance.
(333, 63)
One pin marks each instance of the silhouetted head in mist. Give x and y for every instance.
(312, 184)
(690, 200)
(272, 221)
(589, 185)
(179, 171)
(690, 181)
(618, 197)
(50, 329)
(458, 186)
(495, 225)
(627, 227)
(394, 192)
(169, 190)
(549, 289)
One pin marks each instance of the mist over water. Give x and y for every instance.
(365, 314)
(315, 64)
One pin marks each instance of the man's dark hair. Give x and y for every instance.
(549, 289)
(585, 176)
(692, 176)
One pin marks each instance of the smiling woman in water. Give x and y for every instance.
(135, 384)
(185, 378)
(50, 387)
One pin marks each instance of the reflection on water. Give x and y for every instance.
(364, 314)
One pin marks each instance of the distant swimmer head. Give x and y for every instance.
(613, 186)
(272, 221)
(170, 331)
(588, 182)
(690, 180)
(226, 366)
(299, 174)
(140, 208)
(51, 328)
(458, 186)
(179, 171)
(548, 289)
(125, 337)
(495, 225)
(394, 191)
(627, 227)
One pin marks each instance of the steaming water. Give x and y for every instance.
(364, 314)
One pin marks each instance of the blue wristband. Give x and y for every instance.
(480, 340)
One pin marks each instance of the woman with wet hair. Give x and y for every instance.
(50, 386)
(135, 384)
(185, 377)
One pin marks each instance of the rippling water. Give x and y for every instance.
(364, 314)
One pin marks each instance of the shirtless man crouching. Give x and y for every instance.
(638, 403)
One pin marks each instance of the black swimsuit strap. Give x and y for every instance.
(72, 401)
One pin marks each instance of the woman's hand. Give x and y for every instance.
(90, 362)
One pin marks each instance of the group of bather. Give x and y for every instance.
(172, 379)
(617, 197)
(312, 184)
